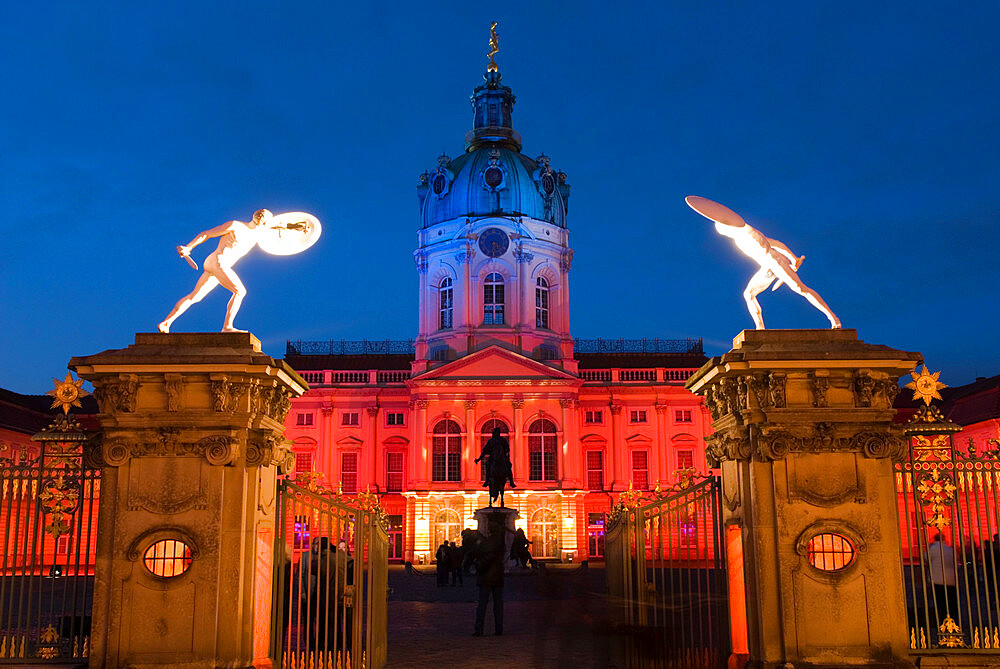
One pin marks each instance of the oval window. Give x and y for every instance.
(167, 558)
(830, 551)
(548, 184)
(493, 176)
(439, 184)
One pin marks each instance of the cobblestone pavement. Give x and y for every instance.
(552, 618)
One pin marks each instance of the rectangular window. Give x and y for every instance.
(685, 459)
(493, 300)
(595, 535)
(682, 416)
(640, 470)
(637, 416)
(350, 418)
(301, 532)
(349, 472)
(594, 417)
(394, 472)
(304, 419)
(595, 470)
(303, 462)
(394, 419)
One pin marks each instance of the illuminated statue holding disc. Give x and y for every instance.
(775, 259)
(282, 235)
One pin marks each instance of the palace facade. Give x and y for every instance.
(587, 419)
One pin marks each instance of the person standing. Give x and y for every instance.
(490, 554)
(442, 563)
(940, 560)
(455, 563)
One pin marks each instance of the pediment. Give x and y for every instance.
(637, 440)
(349, 441)
(498, 364)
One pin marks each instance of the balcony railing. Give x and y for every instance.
(362, 377)
(406, 347)
(677, 376)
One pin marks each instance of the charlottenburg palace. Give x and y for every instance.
(585, 418)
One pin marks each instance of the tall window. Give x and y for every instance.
(541, 303)
(303, 462)
(486, 433)
(446, 303)
(595, 534)
(394, 472)
(544, 533)
(349, 472)
(447, 527)
(640, 470)
(446, 454)
(493, 300)
(685, 459)
(542, 450)
(595, 470)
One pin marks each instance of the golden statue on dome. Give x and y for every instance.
(775, 259)
(494, 48)
(281, 235)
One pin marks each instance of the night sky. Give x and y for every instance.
(863, 135)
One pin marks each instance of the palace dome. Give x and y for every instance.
(493, 177)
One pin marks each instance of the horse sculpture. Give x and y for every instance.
(496, 453)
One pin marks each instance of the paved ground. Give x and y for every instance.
(552, 618)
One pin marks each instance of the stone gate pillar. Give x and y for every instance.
(192, 440)
(805, 440)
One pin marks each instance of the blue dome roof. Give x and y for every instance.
(493, 177)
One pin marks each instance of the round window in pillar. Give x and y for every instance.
(830, 552)
(167, 558)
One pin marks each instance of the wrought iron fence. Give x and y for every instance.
(667, 582)
(330, 580)
(949, 513)
(48, 511)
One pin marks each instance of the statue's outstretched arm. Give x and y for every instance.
(217, 231)
(782, 249)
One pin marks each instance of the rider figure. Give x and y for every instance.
(496, 452)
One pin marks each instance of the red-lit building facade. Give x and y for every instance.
(586, 418)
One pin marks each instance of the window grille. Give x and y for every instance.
(167, 558)
(445, 304)
(637, 416)
(830, 552)
(682, 416)
(304, 419)
(395, 418)
(595, 470)
(349, 472)
(446, 452)
(594, 417)
(541, 303)
(394, 472)
(350, 418)
(542, 448)
(685, 459)
(303, 462)
(640, 470)
(493, 300)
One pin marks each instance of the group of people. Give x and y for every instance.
(450, 558)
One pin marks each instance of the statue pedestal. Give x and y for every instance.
(805, 440)
(193, 430)
(503, 516)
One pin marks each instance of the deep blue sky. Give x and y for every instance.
(864, 135)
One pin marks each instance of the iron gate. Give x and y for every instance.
(667, 580)
(330, 580)
(48, 520)
(949, 513)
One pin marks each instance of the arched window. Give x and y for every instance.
(486, 433)
(446, 463)
(445, 304)
(447, 527)
(542, 450)
(544, 534)
(493, 300)
(542, 303)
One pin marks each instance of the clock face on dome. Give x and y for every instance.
(493, 242)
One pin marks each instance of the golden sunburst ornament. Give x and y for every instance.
(925, 386)
(67, 393)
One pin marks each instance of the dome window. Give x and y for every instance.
(548, 183)
(440, 183)
(493, 177)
